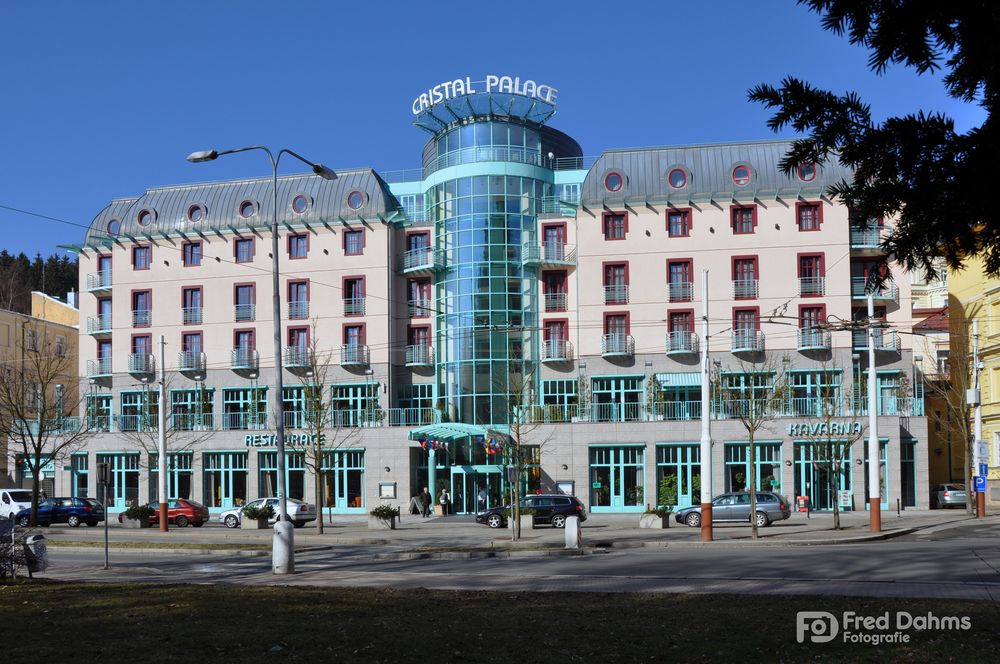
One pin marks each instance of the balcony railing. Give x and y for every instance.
(419, 308)
(243, 312)
(298, 309)
(747, 341)
(860, 290)
(191, 315)
(99, 281)
(141, 363)
(884, 340)
(680, 291)
(745, 289)
(675, 410)
(245, 421)
(419, 355)
(354, 355)
(244, 359)
(616, 294)
(555, 301)
(354, 306)
(99, 324)
(867, 238)
(191, 360)
(424, 259)
(99, 367)
(297, 357)
(811, 286)
(145, 422)
(409, 417)
(813, 339)
(97, 423)
(548, 253)
(142, 318)
(616, 412)
(617, 344)
(681, 343)
(557, 350)
(481, 153)
(192, 421)
(891, 406)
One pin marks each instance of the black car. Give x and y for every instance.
(73, 511)
(549, 508)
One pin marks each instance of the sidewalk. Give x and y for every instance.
(461, 533)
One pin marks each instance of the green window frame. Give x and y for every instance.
(737, 464)
(100, 411)
(415, 405)
(180, 476)
(295, 474)
(617, 398)
(139, 410)
(244, 408)
(80, 474)
(355, 404)
(810, 390)
(192, 409)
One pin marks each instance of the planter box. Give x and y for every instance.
(527, 522)
(253, 524)
(136, 523)
(375, 523)
(654, 521)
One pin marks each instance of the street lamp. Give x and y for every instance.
(283, 546)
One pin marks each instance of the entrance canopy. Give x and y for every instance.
(455, 432)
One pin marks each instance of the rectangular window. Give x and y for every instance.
(616, 283)
(615, 225)
(354, 296)
(678, 223)
(298, 245)
(142, 258)
(142, 344)
(354, 335)
(180, 477)
(815, 393)
(298, 337)
(244, 340)
(415, 405)
(192, 410)
(617, 399)
(746, 320)
(418, 241)
(559, 400)
(809, 215)
(140, 411)
(354, 403)
(811, 317)
(554, 290)
(298, 300)
(354, 242)
(191, 342)
(680, 321)
(680, 280)
(191, 305)
(79, 463)
(616, 325)
(225, 479)
(243, 249)
(244, 408)
(744, 218)
(191, 252)
(142, 307)
(419, 298)
(244, 298)
(745, 277)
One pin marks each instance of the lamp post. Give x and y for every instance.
(283, 546)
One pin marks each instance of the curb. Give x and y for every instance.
(243, 553)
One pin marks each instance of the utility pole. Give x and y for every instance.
(874, 471)
(979, 459)
(162, 436)
(706, 431)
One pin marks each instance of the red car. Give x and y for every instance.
(180, 512)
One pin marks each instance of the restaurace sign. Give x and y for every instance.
(270, 439)
(824, 428)
(493, 83)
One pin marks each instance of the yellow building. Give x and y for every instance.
(974, 296)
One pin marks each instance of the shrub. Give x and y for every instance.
(385, 512)
(253, 512)
(660, 511)
(139, 512)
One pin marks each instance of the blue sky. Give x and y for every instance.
(102, 100)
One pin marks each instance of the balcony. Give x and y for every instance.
(885, 341)
(99, 281)
(860, 290)
(616, 294)
(298, 309)
(141, 364)
(421, 261)
(812, 286)
(745, 289)
(142, 318)
(481, 153)
(548, 254)
(681, 291)
(682, 343)
(419, 308)
(813, 339)
(412, 417)
(297, 357)
(616, 412)
(244, 312)
(557, 350)
(868, 239)
(354, 306)
(244, 421)
(191, 315)
(747, 341)
(143, 423)
(675, 410)
(354, 355)
(192, 421)
(99, 368)
(617, 345)
(555, 301)
(419, 355)
(99, 325)
(191, 361)
(244, 359)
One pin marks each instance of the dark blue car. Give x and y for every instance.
(73, 511)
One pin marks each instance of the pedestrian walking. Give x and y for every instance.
(425, 503)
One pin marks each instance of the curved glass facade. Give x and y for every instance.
(485, 329)
(485, 141)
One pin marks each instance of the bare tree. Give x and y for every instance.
(754, 396)
(328, 431)
(187, 424)
(38, 392)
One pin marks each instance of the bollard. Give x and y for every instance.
(898, 509)
(572, 532)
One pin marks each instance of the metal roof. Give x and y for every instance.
(503, 105)
(222, 201)
(709, 174)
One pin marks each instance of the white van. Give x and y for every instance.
(13, 501)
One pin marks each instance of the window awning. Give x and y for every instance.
(454, 432)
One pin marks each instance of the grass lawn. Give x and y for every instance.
(60, 622)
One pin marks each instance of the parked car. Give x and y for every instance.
(734, 507)
(13, 501)
(949, 495)
(180, 512)
(73, 511)
(299, 513)
(549, 508)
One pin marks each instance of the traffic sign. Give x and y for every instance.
(984, 470)
(982, 449)
(980, 483)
